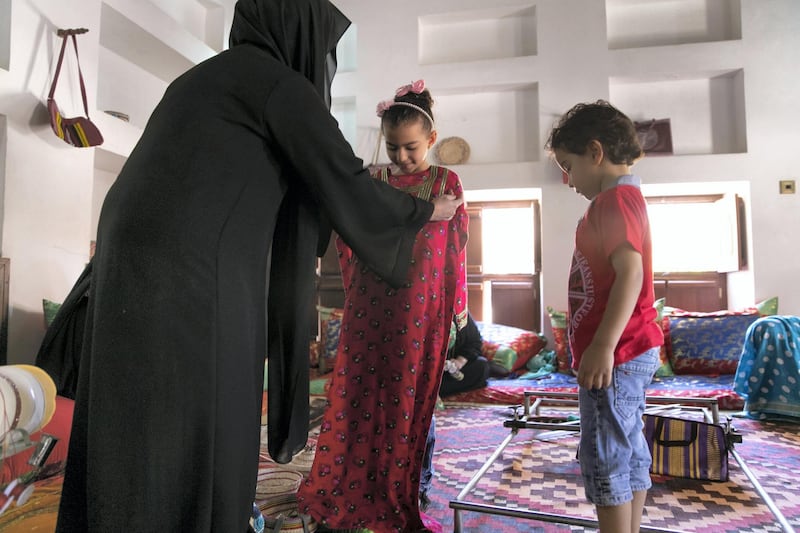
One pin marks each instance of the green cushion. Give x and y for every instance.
(50, 311)
(768, 307)
(506, 357)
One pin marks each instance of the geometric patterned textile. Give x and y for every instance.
(706, 343)
(539, 471)
(512, 391)
(526, 344)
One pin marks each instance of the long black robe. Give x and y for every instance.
(233, 181)
(60, 352)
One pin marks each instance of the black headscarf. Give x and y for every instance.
(301, 34)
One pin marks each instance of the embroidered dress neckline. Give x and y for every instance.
(422, 189)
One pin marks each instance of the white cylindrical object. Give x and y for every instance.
(27, 398)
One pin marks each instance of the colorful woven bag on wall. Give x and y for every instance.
(78, 131)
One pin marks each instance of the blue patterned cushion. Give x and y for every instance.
(706, 343)
(330, 325)
(327, 356)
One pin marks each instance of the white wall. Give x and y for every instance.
(728, 87)
(540, 58)
(52, 191)
(47, 183)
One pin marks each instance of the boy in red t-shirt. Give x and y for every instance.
(612, 330)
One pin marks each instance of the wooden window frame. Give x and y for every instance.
(519, 308)
(704, 291)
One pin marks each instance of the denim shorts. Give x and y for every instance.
(614, 456)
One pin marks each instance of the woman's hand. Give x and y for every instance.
(444, 207)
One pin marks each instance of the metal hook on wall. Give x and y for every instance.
(71, 31)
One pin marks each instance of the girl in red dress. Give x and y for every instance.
(391, 350)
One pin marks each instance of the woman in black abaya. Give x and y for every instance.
(209, 233)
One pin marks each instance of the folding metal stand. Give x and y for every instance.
(528, 416)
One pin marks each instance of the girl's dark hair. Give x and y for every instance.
(401, 114)
(598, 121)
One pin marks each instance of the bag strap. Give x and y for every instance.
(664, 441)
(80, 74)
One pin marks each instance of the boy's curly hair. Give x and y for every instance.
(597, 121)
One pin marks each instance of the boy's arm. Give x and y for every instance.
(597, 362)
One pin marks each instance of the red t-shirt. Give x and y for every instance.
(615, 216)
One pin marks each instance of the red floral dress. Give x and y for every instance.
(386, 379)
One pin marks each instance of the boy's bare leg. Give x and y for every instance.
(615, 518)
(625, 517)
(637, 509)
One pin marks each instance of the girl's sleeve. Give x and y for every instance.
(456, 265)
(346, 262)
(377, 221)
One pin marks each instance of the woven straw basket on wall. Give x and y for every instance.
(452, 151)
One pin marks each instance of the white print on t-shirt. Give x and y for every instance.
(581, 291)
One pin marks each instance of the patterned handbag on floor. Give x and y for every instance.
(688, 448)
(78, 131)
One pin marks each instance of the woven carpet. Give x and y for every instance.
(539, 471)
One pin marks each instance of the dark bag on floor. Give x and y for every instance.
(687, 448)
(78, 131)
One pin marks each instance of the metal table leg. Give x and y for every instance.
(761, 492)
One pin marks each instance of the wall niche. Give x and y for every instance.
(642, 23)
(5, 35)
(500, 123)
(706, 110)
(496, 33)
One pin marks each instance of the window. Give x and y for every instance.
(696, 233)
(508, 251)
(503, 262)
(697, 240)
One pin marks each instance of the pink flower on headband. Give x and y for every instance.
(415, 87)
(383, 107)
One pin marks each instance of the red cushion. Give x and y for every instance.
(59, 426)
(527, 345)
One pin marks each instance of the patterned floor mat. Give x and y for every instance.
(539, 471)
(543, 475)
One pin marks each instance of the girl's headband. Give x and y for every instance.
(416, 87)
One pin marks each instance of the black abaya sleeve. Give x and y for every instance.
(60, 352)
(327, 184)
(377, 221)
(291, 293)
